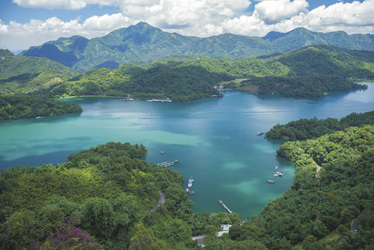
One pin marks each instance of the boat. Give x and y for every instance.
(276, 167)
(260, 133)
(271, 181)
(189, 191)
(127, 99)
(190, 181)
(278, 174)
(162, 152)
(39, 117)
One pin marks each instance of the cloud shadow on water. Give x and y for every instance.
(53, 158)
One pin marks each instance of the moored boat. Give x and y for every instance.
(190, 181)
(189, 191)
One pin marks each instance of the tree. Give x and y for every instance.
(145, 239)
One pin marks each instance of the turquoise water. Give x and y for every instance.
(214, 140)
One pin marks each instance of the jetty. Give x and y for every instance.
(158, 100)
(167, 163)
(224, 206)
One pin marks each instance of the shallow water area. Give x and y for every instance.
(214, 140)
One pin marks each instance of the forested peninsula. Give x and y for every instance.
(24, 107)
(108, 197)
(312, 128)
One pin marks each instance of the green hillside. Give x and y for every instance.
(155, 81)
(307, 72)
(142, 43)
(26, 75)
(314, 71)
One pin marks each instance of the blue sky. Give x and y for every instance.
(25, 23)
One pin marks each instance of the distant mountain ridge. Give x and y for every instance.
(145, 43)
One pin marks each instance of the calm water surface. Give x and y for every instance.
(215, 140)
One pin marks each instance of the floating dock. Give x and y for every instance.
(157, 100)
(224, 206)
(167, 163)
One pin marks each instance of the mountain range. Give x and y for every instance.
(143, 43)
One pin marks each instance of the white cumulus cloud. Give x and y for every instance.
(355, 17)
(62, 4)
(36, 32)
(3, 28)
(273, 11)
(352, 17)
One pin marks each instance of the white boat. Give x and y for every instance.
(278, 174)
(190, 181)
(276, 167)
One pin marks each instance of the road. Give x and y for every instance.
(161, 201)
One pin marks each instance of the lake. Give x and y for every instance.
(215, 140)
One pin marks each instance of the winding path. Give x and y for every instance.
(353, 228)
(161, 201)
(317, 175)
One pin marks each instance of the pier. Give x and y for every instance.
(224, 206)
(158, 100)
